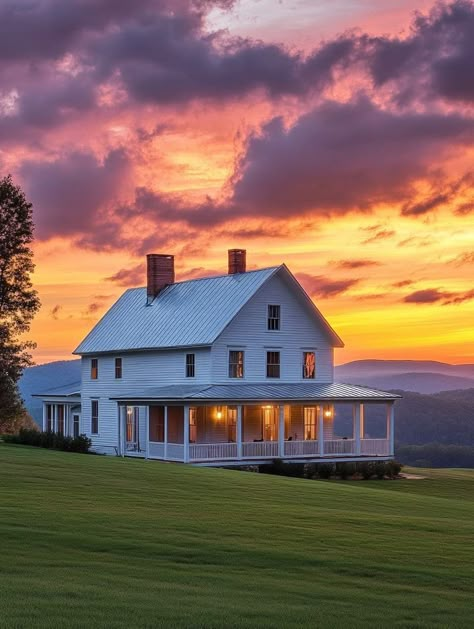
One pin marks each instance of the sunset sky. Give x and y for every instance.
(333, 135)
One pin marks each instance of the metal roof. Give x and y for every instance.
(67, 390)
(184, 314)
(258, 392)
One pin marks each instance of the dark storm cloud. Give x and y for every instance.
(343, 156)
(69, 192)
(322, 287)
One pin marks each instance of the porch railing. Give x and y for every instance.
(260, 449)
(380, 447)
(339, 446)
(198, 451)
(301, 448)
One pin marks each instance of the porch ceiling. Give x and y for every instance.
(258, 392)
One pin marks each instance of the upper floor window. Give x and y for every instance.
(236, 364)
(118, 368)
(273, 364)
(94, 368)
(273, 321)
(309, 365)
(94, 417)
(190, 365)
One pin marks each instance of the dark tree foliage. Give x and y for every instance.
(18, 300)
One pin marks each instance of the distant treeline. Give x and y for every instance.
(435, 455)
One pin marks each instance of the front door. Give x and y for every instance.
(269, 423)
(133, 433)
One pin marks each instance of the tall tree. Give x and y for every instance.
(18, 300)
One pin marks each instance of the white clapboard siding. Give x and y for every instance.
(299, 331)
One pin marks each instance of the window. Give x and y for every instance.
(75, 425)
(94, 417)
(192, 423)
(236, 364)
(269, 428)
(118, 368)
(273, 364)
(273, 322)
(94, 368)
(310, 423)
(60, 429)
(133, 429)
(157, 423)
(309, 365)
(49, 417)
(232, 424)
(190, 365)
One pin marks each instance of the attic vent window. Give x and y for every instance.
(190, 365)
(273, 322)
(94, 368)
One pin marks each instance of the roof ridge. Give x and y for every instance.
(213, 277)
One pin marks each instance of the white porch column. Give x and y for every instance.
(320, 430)
(281, 431)
(123, 424)
(147, 430)
(362, 421)
(239, 429)
(119, 431)
(391, 428)
(55, 418)
(356, 426)
(165, 436)
(186, 433)
(45, 418)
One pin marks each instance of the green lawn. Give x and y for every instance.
(89, 541)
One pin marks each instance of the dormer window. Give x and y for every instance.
(94, 368)
(236, 364)
(273, 321)
(118, 368)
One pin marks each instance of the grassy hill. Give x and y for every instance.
(91, 541)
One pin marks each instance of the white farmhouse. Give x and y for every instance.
(227, 370)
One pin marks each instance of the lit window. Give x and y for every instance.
(236, 364)
(118, 368)
(273, 322)
(94, 368)
(190, 365)
(310, 423)
(192, 424)
(309, 365)
(94, 417)
(273, 364)
(232, 424)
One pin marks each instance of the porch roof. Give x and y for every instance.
(257, 392)
(67, 390)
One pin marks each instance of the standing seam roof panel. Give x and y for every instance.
(184, 314)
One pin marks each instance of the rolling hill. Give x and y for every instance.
(109, 542)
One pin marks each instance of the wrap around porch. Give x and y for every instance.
(233, 433)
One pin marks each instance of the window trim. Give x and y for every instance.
(190, 365)
(272, 319)
(236, 364)
(96, 401)
(267, 364)
(303, 365)
(118, 368)
(94, 369)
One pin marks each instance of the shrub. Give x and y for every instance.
(310, 470)
(380, 469)
(345, 470)
(280, 468)
(365, 469)
(50, 440)
(325, 470)
(393, 469)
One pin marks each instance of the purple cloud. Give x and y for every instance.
(321, 286)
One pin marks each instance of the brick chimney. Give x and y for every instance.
(237, 261)
(159, 273)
